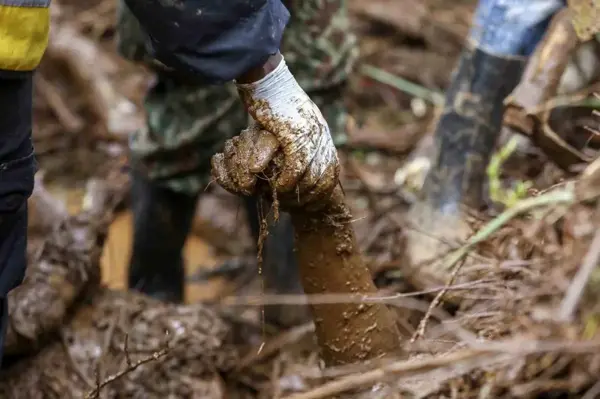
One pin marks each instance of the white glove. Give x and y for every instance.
(309, 169)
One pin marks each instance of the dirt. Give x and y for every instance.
(505, 305)
(431, 235)
(115, 328)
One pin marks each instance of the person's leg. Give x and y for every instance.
(503, 35)
(186, 125)
(17, 169)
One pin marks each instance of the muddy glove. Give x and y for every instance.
(284, 119)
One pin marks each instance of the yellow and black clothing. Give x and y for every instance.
(24, 28)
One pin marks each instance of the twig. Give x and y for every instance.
(593, 392)
(130, 368)
(284, 339)
(354, 381)
(519, 346)
(575, 290)
(401, 84)
(562, 196)
(515, 347)
(105, 349)
(74, 365)
(320, 299)
(98, 379)
(436, 301)
(126, 350)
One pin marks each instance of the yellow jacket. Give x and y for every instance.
(24, 28)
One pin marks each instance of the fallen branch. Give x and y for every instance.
(442, 28)
(436, 301)
(395, 141)
(67, 266)
(131, 366)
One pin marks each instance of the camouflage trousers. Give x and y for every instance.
(187, 124)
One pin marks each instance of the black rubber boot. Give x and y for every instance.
(280, 267)
(465, 138)
(469, 127)
(162, 220)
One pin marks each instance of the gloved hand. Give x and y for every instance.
(284, 119)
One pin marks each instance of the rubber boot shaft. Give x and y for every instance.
(469, 128)
(251, 205)
(280, 267)
(162, 220)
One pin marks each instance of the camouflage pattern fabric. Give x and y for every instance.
(187, 123)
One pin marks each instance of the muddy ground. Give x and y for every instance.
(521, 321)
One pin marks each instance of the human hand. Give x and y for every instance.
(284, 119)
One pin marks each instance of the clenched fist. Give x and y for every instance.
(289, 129)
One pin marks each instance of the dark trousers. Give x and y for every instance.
(17, 169)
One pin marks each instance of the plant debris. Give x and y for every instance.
(518, 320)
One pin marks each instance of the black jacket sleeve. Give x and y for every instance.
(212, 41)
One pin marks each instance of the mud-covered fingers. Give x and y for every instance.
(233, 160)
(265, 146)
(245, 149)
(296, 162)
(219, 172)
(290, 173)
(322, 172)
(313, 189)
